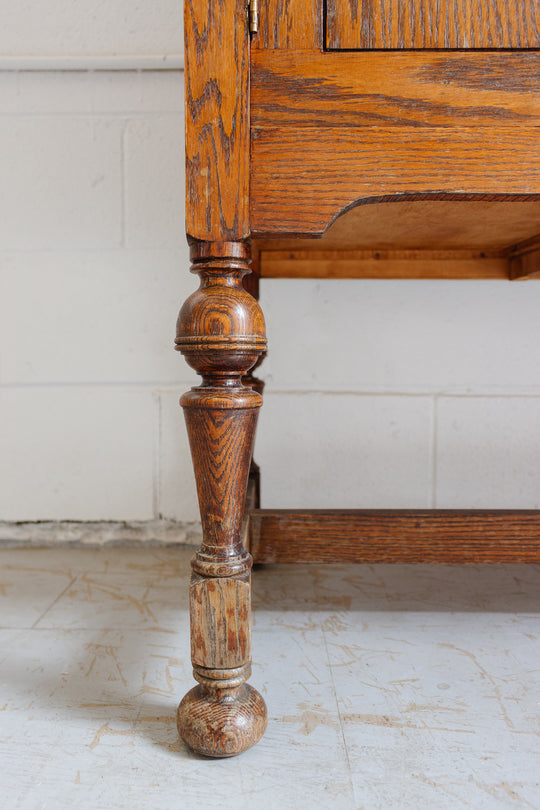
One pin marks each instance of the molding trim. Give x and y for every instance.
(99, 533)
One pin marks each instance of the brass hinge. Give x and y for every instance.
(253, 16)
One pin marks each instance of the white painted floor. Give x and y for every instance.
(387, 686)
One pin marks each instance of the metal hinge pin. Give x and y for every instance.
(253, 16)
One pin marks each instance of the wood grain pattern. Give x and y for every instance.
(221, 440)
(302, 189)
(389, 24)
(381, 264)
(221, 333)
(394, 536)
(290, 24)
(232, 719)
(292, 88)
(217, 119)
(220, 604)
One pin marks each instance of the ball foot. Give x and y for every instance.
(222, 722)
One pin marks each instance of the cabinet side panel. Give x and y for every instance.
(403, 24)
(217, 119)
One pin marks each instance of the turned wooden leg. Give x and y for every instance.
(221, 333)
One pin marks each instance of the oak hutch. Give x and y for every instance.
(336, 138)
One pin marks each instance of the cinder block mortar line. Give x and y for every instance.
(178, 386)
(180, 248)
(93, 63)
(529, 392)
(79, 115)
(160, 386)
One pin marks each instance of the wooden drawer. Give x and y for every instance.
(432, 24)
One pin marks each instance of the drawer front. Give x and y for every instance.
(432, 24)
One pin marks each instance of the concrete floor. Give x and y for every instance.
(387, 686)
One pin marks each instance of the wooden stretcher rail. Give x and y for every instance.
(394, 536)
(380, 264)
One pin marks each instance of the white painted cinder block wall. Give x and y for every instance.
(379, 394)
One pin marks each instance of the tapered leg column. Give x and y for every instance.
(221, 333)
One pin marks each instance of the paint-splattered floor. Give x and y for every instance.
(387, 686)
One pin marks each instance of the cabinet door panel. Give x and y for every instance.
(410, 24)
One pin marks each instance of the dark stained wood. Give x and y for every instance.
(432, 24)
(394, 536)
(221, 333)
(217, 119)
(233, 719)
(302, 178)
(295, 88)
(382, 264)
(290, 24)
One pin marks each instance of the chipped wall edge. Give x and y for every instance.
(99, 533)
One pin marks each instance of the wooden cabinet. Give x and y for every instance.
(382, 139)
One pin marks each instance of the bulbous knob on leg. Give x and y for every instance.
(222, 722)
